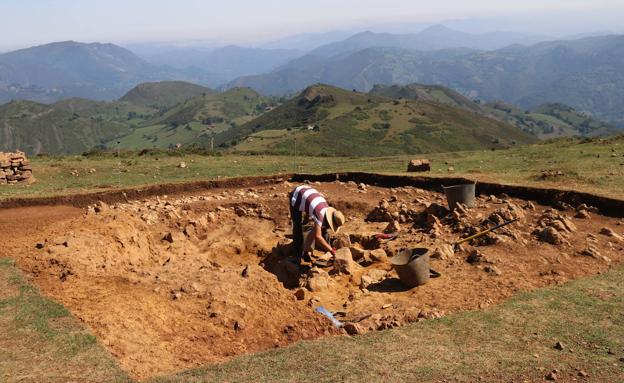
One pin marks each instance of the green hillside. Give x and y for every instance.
(164, 94)
(546, 121)
(551, 120)
(435, 93)
(194, 121)
(69, 126)
(325, 120)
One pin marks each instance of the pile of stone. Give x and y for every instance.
(422, 165)
(14, 169)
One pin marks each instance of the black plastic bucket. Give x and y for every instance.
(464, 194)
(412, 265)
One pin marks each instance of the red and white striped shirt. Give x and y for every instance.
(307, 199)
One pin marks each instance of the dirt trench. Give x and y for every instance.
(173, 282)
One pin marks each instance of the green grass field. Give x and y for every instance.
(595, 166)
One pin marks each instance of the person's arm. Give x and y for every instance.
(319, 241)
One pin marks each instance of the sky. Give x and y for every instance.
(29, 22)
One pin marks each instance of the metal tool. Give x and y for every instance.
(481, 234)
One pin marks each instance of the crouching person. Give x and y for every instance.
(307, 200)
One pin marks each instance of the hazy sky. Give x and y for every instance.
(26, 22)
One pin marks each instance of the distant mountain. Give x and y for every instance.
(545, 121)
(432, 38)
(325, 120)
(164, 94)
(309, 41)
(586, 74)
(69, 126)
(55, 71)
(224, 64)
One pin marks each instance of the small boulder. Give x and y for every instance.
(393, 227)
(341, 240)
(343, 261)
(319, 282)
(444, 252)
(300, 294)
(610, 233)
(378, 255)
(491, 269)
(422, 165)
(582, 214)
(353, 328)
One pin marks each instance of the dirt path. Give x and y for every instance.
(178, 281)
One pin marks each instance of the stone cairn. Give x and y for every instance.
(14, 168)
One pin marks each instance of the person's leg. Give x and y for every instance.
(297, 229)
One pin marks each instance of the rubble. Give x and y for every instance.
(421, 165)
(15, 168)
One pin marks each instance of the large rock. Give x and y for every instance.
(343, 261)
(422, 165)
(444, 252)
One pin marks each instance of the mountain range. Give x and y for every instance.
(326, 120)
(585, 74)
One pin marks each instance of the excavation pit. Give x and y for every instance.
(173, 282)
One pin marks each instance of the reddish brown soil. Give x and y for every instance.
(176, 282)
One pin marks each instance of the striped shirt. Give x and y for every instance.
(309, 200)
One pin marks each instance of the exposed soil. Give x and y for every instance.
(175, 282)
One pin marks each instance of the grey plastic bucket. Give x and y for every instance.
(464, 194)
(412, 265)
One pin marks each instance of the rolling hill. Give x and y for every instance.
(164, 94)
(545, 121)
(586, 74)
(67, 127)
(195, 120)
(325, 120)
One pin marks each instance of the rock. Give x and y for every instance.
(583, 374)
(168, 237)
(491, 269)
(239, 326)
(358, 254)
(353, 328)
(393, 227)
(366, 281)
(378, 255)
(474, 257)
(182, 165)
(451, 169)
(343, 261)
(582, 214)
(437, 210)
(319, 282)
(559, 346)
(341, 240)
(362, 186)
(591, 251)
(422, 165)
(551, 235)
(245, 272)
(552, 375)
(444, 252)
(300, 294)
(101, 207)
(610, 233)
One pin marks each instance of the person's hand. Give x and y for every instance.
(333, 251)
